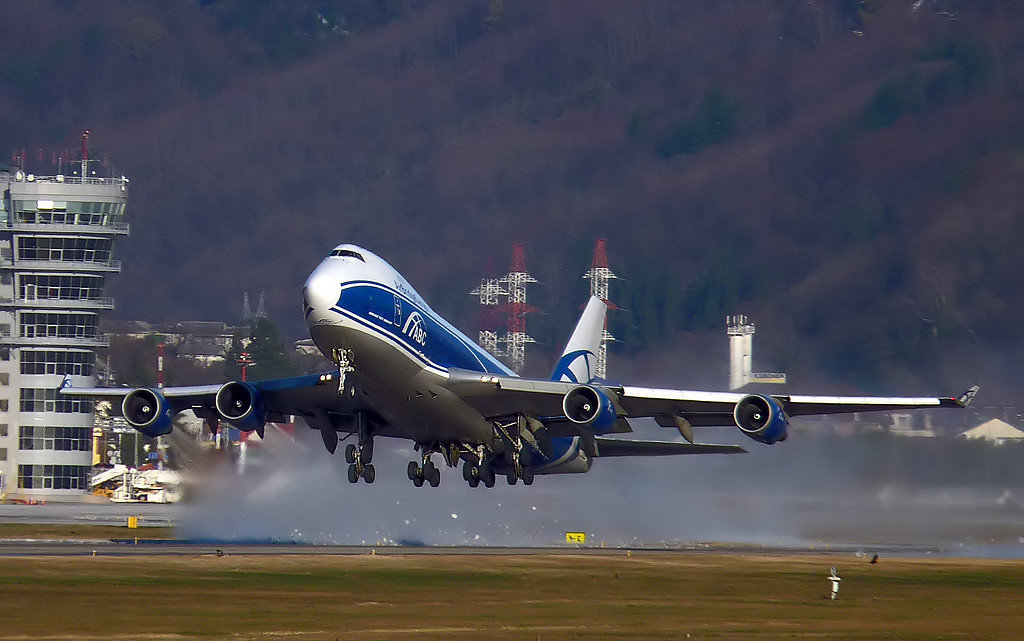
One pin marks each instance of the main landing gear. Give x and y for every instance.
(427, 472)
(359, 458)
(476, 473)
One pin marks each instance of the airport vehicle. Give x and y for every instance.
(404, 372)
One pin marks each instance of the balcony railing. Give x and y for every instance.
(53, 341)
(58, 303)
(113, 266)
(75, 180)
(66, 228)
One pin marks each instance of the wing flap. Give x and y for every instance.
(607, 447)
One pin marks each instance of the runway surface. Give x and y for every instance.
(151, 515)
(131, 547)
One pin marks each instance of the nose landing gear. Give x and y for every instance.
(360, 458)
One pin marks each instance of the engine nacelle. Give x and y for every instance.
(586, 405)
(241, 405)
(147, 411)
(761, 418)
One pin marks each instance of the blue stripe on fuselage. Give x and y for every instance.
(418, 331)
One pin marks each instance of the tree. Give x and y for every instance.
(269, 354)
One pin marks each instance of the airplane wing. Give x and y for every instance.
(624, 447)
(494, 395)
(314, 397)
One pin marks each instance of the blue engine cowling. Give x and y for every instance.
(147, 411)
(586, 405)
(241, 405)
(761, 418)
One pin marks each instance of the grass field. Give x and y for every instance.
(642, 596)
(77, 531)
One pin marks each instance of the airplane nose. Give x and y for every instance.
(321, 291)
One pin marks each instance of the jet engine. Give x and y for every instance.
(147, 411)
(241, 405)
(585, 405)
(761, 418)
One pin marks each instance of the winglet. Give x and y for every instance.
(965, 399)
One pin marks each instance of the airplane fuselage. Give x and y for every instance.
(401, 352)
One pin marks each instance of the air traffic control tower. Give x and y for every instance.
(56, 242)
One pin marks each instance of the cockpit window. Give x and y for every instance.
(347, 253)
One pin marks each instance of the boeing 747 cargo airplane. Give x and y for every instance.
(404, 372)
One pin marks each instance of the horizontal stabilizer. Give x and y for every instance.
(626, 447)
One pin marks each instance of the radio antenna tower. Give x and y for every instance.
(599, 275)
(490, 291)
(506, 294)
(517, 338)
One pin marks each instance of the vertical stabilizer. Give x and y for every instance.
(578, 363)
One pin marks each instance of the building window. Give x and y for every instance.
(58, 325)
(64, 248)
(59, 287)
(48, 400)
(59, 439)
(3, 453)
(4, 405)
(5, 379)
(3, 429)
(57, 362)
(53, 477)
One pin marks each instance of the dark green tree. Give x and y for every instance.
(270, 355)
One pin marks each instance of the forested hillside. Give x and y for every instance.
(847, 173)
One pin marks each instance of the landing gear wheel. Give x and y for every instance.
(414, 471)
(511, 478)
(527, 476)
(350, 453)
(353, 474)
(431, 474)
(369, 473)
(366, 452)
(486, 475)
(474, 482)
(418, 481)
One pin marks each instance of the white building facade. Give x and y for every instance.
(57, 237)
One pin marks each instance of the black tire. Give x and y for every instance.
(474, 482)
(467, 471)
(486, 475)
(367, 452)
(418, 481)
(353, 475)
(414, 471)
(435, 476)
(369, 473)
(350, 453)
(527, 477)
(488, 481)
(511, 478)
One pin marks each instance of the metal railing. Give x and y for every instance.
(60, 303)
(43, 341)
(71, 228)
(68, 265)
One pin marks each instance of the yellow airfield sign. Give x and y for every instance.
(576, 538)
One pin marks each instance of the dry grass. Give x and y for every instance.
(650, 596)
(79, 531)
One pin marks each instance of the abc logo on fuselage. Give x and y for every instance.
(415, 328)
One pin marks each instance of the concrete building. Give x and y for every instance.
(57, 237)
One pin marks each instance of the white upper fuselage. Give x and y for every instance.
(363, 297)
